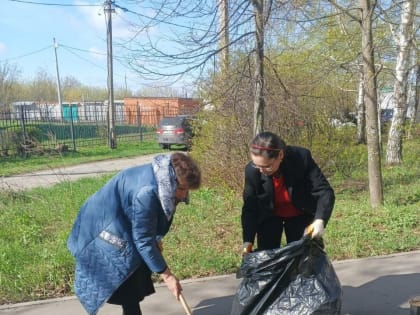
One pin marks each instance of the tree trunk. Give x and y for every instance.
(396, 131)
(413, 117)
(224, 35)
(361, 109)
(259, 103)
(374, 156)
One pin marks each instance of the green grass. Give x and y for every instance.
(205, 237)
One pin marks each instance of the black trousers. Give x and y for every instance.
(270, 231)
(131, 309)
(133, 290)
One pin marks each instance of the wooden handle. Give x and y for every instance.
(185, 305)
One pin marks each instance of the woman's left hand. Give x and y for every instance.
(316, 229)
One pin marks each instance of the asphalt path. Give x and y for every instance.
(54, 176)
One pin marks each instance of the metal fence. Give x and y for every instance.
(30, 128)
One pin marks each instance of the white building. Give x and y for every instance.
(387, 104)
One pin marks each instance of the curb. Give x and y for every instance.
(73, 297)
(38, 302)
(409, 253)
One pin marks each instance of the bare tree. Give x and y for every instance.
(224, 32)
(9, 75)
(367, 8)
(259, 103)
(372, 130)
(415, 77)
(71, 88)
(416, 99)
(198, 31)
(361, 109)
(402, 69)
(43, 87)
(181, 38)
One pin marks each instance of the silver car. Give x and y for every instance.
(175, 131)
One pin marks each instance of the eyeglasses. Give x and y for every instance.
(267, 168)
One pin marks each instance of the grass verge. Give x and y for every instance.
(18, 165)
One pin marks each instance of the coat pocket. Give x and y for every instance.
(113, 239)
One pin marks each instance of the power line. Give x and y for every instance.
(72, 50)
(28, 54)
(85, 50)
(56, 4)
(69, 49)
(117, 58)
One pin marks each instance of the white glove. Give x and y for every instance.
(316, 229)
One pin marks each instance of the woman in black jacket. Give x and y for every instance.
(284, 190)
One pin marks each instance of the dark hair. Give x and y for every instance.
(187, 169)
(267, 144)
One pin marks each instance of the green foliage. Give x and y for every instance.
(302, 96)
(220, 147)
(336, 152)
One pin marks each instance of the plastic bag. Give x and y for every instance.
(297, 279)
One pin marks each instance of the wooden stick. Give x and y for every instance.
(184, 304)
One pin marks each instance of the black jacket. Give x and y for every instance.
(308, 189)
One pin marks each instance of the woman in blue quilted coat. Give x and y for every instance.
(116, 237)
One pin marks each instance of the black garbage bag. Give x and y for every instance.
(297, 279)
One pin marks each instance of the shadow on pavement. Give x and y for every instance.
(216, 306)
(387, 295)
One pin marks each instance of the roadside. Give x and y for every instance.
(53, 176)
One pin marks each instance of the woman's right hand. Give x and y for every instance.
(246, 248)
(172, 283)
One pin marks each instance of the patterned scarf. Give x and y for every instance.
(166, 181)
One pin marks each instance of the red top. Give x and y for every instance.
(282, 203)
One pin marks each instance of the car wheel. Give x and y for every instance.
(164, 145)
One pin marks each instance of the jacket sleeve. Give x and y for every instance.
(146, 209)
(249, 217)
(321, 191)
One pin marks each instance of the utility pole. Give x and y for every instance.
(111, 106)
(59, 98)
(58, 78)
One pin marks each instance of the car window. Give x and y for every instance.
(169, 121)
(176, 121)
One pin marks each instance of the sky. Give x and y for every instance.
(28, 29)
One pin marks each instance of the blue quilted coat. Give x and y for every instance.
(115, 231)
